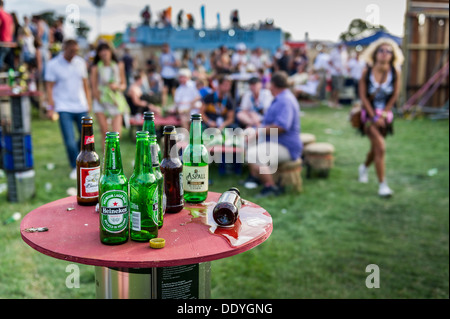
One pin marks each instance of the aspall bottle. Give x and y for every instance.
(88, 166)
(172, 170)
(143, 193)
(195, 164)
(113, 195)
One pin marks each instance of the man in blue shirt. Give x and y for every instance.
(279, 141)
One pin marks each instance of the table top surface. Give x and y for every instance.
(191, 235)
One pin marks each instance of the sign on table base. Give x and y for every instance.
(177, 282)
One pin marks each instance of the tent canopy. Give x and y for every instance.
(374, 37)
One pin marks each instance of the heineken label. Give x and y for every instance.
(114, 211)
(195, 178)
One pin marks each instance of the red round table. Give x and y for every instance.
(133, 269)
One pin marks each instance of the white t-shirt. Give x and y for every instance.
(68, 91)
(337, 60)
(168, 71)
(184, 95)
(265, 100)
(321, 62)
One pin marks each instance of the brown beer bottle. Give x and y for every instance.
(172, 169)
(88, 166)
(226, 211)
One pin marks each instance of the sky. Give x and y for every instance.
(321, 19)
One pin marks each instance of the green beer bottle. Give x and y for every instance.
(195, 164)
(159, 177)
(143, 193)
(113, 195)
(149, 126)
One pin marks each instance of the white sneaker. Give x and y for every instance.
(384, 190)
(363, 174)
(73, 174)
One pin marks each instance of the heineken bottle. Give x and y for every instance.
(113, 195)
(195, 164)
(159, 177)
(143, 193)
(149, 126)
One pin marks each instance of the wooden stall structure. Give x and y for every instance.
(426, 44)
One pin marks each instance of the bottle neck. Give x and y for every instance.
(149, 126)
(87, 138)
(195, 134)
(170, 147)
(113, 160)
(142, 163)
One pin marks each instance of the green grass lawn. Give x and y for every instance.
(322, 240)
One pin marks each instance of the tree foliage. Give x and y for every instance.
(360, 28)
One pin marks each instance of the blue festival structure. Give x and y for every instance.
(204, 39)
(368, 40)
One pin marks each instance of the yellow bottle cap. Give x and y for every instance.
(157, 242)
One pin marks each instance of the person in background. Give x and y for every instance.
(27, 38)
(321, 67)
(239, 58)
(108, 84)
(46, 38)
(336, 67)
(217, 108)
(169, 65)
(6, 33)
(284, 116)
(186, 98)
(283, 59)
(154, 84)
(128, 63)
(254, 104)
(137, 100)
(222, 62)
(355, 68)
(379, 89)
(202, 87)
(68, 94)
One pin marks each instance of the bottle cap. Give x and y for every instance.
(112, 134)
(86, 120)
(196, 117)
(149, 115)
(169, 129)
(157, 243)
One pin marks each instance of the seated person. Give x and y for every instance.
(155, 83)
(137, 101)
(303, 82)
(202, 87)
(217, 109)
(254, 104)
(284, 116)
(187, 98)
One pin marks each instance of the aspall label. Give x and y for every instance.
(114, 211)
(196, 178)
